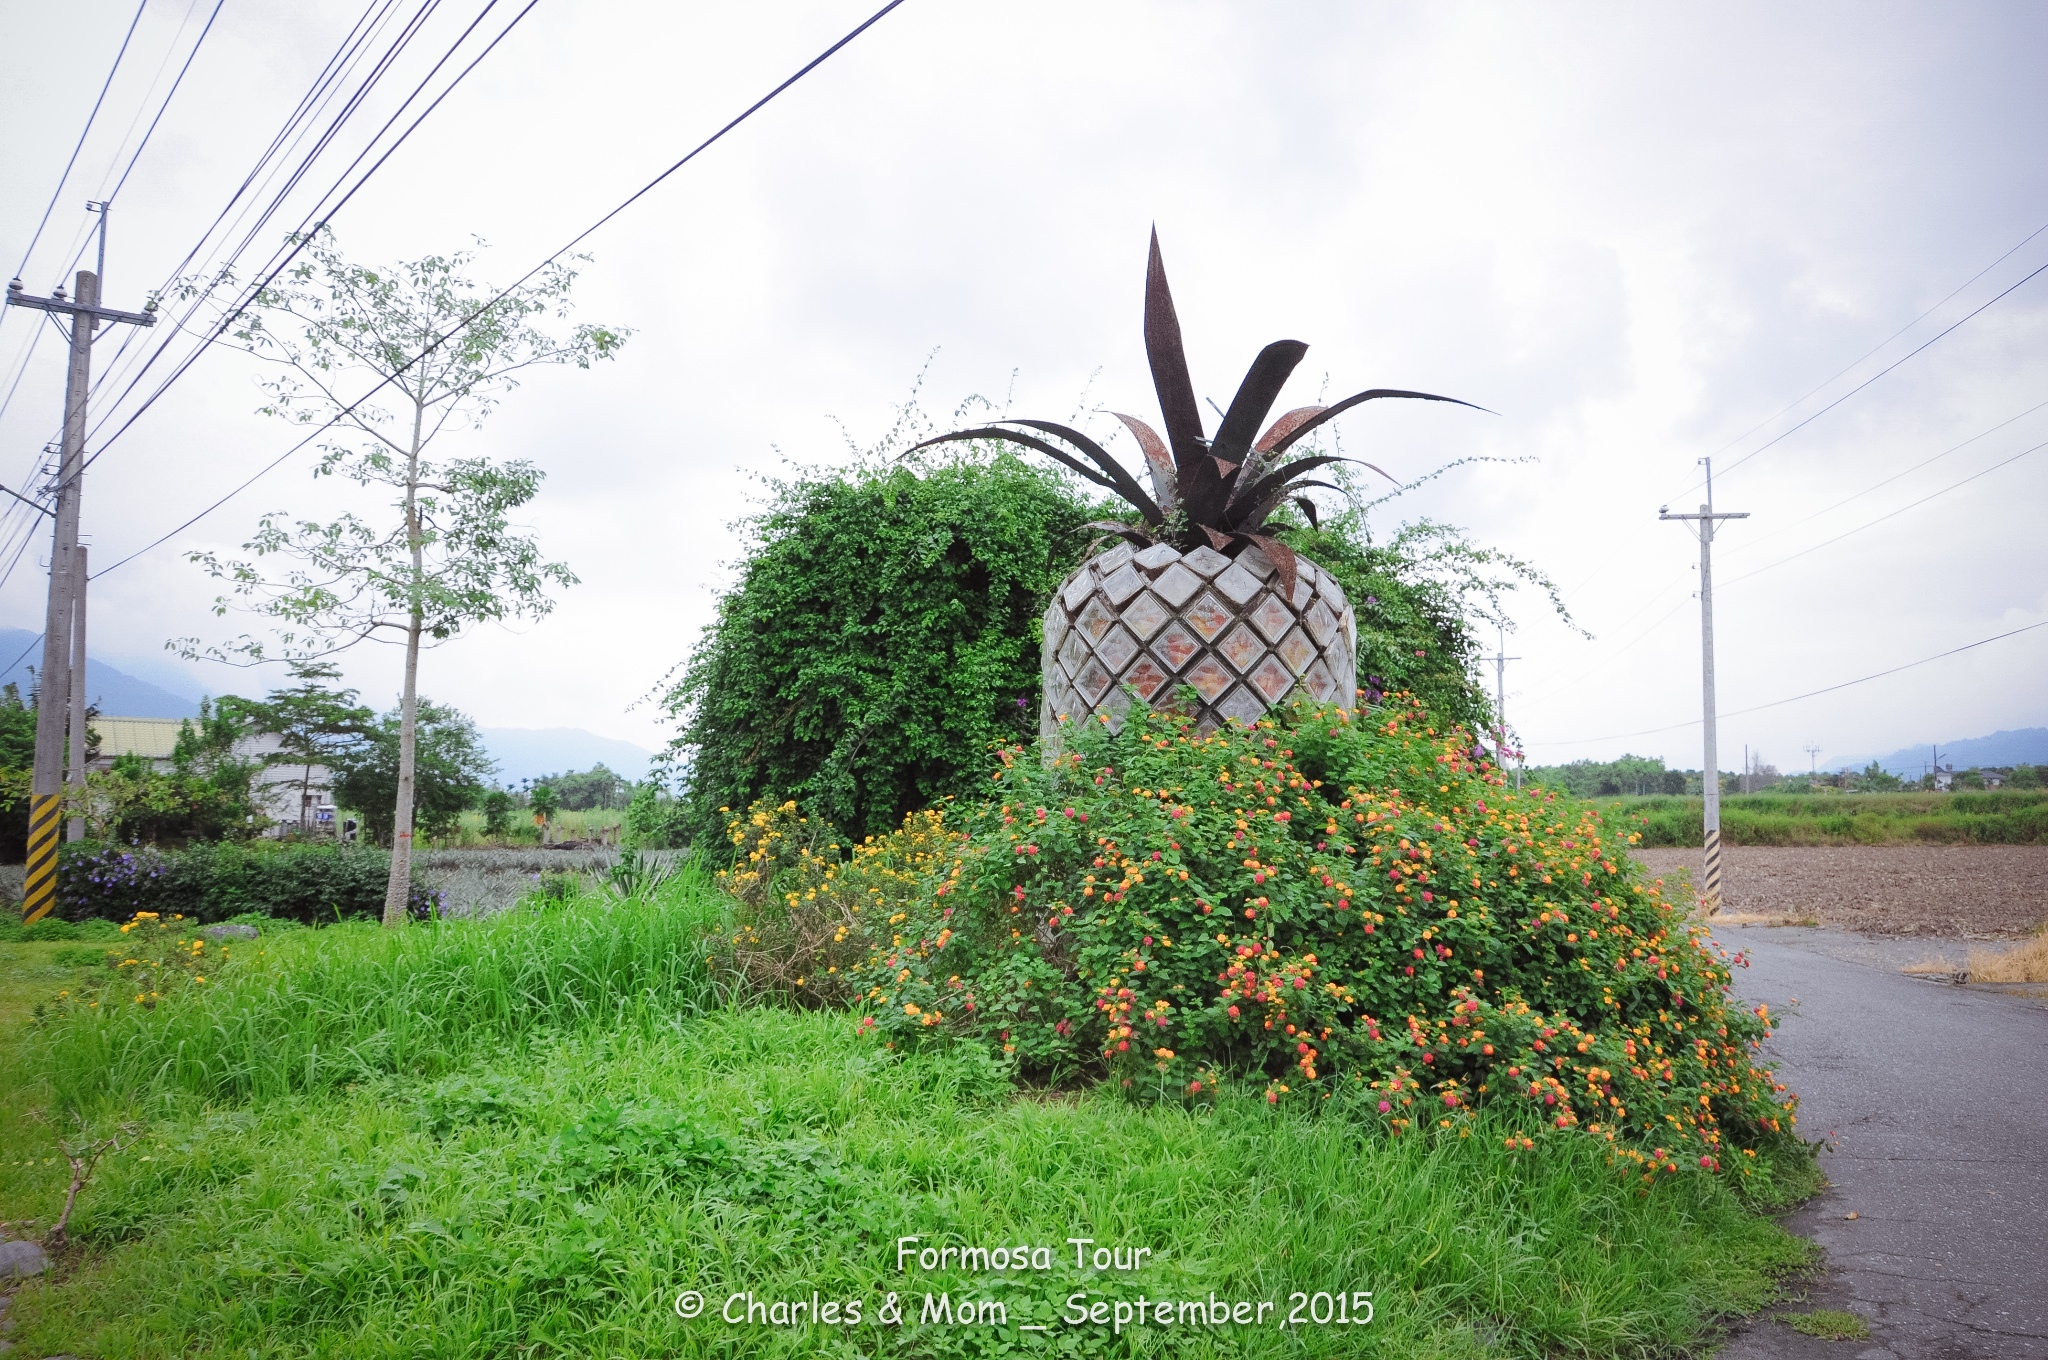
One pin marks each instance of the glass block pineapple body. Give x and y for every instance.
(1153, 623)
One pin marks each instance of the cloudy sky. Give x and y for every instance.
(1640, 234)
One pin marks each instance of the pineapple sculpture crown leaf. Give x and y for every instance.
(1216, 490)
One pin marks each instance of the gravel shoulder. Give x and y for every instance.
(1943, 892)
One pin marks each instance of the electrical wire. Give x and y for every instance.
(1871, 524)
(1810, 694)
(300, 238)
(58, 192)
(1775, 439)
(1791, 405)
(505, 292)
(1878, 486)
(171, 94)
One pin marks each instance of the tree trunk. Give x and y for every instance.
(399, 891)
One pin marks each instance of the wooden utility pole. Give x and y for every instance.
(1710, 785)
(67, 584)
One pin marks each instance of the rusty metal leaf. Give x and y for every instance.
(1331, 412)
(1169, 362)
(1285, 564)
(1285, 426)
(1126, 485)
(1255, 397)
(1165, 481)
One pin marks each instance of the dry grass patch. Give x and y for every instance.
(2024, 962)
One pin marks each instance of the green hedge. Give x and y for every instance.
(211, 882)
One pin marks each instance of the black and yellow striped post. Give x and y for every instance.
(39, 888)
(1710, 897)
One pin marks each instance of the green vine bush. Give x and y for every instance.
(884, 634)
(1342, 908)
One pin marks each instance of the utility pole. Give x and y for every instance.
(1703, 525)
(1500, 661)
(67, 583)
(76, 743)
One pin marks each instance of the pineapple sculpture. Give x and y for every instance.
(1201, 603)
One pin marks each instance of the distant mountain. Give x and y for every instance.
(2026, 746)
(530, 752)
(118, 694)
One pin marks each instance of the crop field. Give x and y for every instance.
(1987, 892)
(1993, 817)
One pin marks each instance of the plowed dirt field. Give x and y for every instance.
(1972, 892)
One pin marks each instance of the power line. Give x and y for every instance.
(1900, 511)
(503, 293)
(57, 192)
(171, 94)
(1878, 486)
(1873, 349)
(1810, 694)
(299, 238)
(1880, 373)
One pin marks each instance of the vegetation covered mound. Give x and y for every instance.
(1333, 905)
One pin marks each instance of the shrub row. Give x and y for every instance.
(1330, 906)
(210, 882)
(1999, 818)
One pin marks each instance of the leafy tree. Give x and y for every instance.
(883, 634)
(545, 804)
(653, 819)
(315, 725)
(596, 787)
(1874, 779)
(497, 807)
(17, 761)
(450, 770)
(446, 350)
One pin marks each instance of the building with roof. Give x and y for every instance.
(291, 796)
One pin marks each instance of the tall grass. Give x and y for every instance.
(1994, 817)
(311, 1010)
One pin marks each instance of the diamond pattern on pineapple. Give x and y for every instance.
(1116, 705)
(1096, 619)
(1208, 616)
(1254, 561)
(1157, 556)
(1092, 683)
(1176, 584)
(1176, 646)
(1205, 561)
(1272, 679)
(1114, 558)
(1271, 617)
(1116, 649)
(1145, 615)
(1303, 593)
(1296, 650)
(1074, 654)
(1320, 684)
(1122, 583)
(1147, 677)
(1210, 678)
(1078, 588)
(1241, 705)
(1322, 624)
(1237, 584)
(1350, 622)
(1242, 648)
(1055, 628)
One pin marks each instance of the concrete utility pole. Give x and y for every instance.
(59, 676)
(1500, 661)
(1710, 785)
(76, 743)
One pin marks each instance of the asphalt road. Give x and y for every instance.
(1933, 1099)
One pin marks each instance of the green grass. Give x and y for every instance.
(526, 1136)
(1829, 1324)
(1993, 817)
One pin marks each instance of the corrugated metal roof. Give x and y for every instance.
(155, 738)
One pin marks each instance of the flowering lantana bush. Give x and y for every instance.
(1332, 905)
